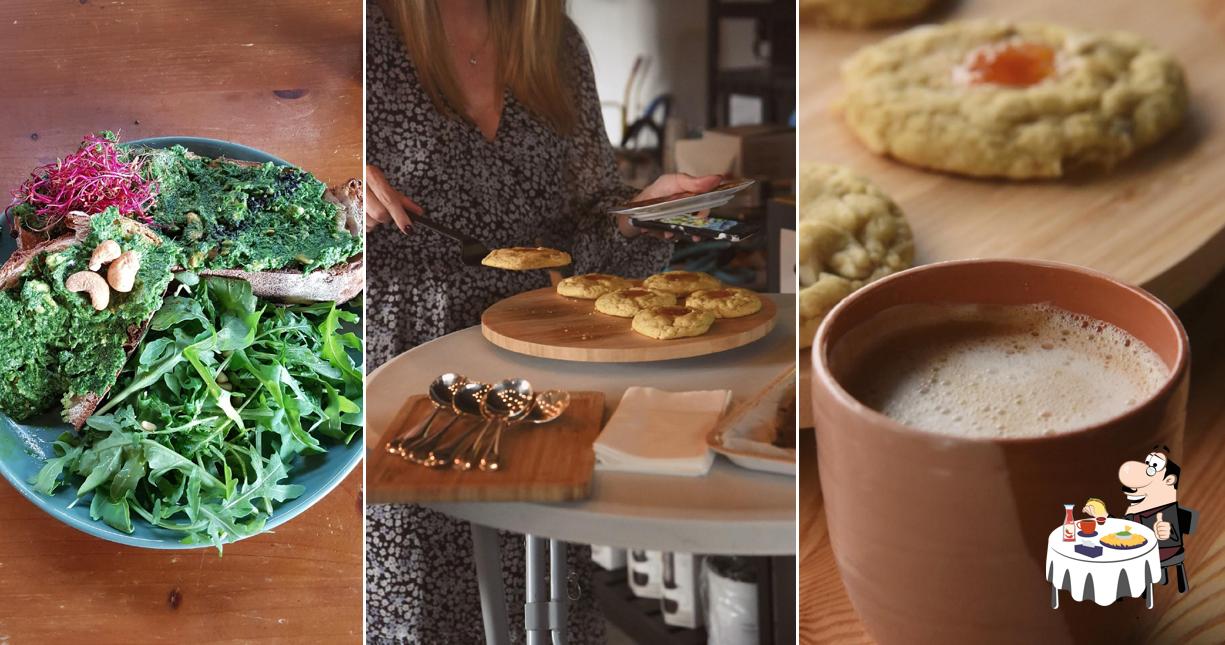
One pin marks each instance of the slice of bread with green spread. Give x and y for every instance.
(339, 283)
(65, 329)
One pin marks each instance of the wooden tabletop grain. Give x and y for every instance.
(285, 77)
(826, 614)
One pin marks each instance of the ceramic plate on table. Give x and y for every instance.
(24, 446)
(683, 203)
(751, 460)
(741, 435)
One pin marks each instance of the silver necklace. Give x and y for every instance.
(471, 56)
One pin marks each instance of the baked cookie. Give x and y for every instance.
(681, 283)
(860, 14)
(1015, 100)
(523, 258)
(665, 323)
(591, 285)
(850, 233)
(816, 300)
(725, 302)
(627, 302)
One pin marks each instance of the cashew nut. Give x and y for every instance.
(105, 252)
(91, 283)
(122, 273)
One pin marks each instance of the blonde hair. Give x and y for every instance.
(527, 37)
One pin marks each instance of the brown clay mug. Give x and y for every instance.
(896, 498)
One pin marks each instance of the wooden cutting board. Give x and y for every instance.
(545, 324)
(545, 463)
(1157, 220)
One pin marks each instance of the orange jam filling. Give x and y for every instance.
(1014, 64)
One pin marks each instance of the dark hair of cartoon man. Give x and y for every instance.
(1171, 468)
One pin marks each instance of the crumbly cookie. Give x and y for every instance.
(681, 283)
(860, 14)
(523, 258)
(1015, 100)
(726, 302)
(851, 233)
(816, 300)
(625, 303)
(591, 285)
(665, 323)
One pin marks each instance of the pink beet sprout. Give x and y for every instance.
(91, 179)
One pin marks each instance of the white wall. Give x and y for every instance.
(672, 33)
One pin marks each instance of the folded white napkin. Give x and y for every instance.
(660, 432)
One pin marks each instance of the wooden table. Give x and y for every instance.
(730, 510)
(826, 615)
(282, 77)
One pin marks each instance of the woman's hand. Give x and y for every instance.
(386, 205)
(664, 186)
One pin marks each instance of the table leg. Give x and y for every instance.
(559, 597)
(489, 579)
(1054, 597)
(536, 608)
(1148, 597)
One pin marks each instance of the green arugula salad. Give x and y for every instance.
(192, 399)
(224, 393)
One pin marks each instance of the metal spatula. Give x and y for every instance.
(472, 251)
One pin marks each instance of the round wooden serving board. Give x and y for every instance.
(545, 324)
(1157, 220)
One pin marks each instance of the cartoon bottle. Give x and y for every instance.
(1069, 524)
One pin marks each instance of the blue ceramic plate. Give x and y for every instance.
(24, 447)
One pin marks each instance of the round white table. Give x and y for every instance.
(729, 511)
(1115, 574)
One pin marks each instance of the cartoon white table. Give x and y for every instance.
(1116, 573)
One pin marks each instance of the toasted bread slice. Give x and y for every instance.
(78, 408)
(339, 283)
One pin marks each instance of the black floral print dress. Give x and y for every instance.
(528, 186)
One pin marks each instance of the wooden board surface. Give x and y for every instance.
(543, 323)
(1157, 220)
(283, 77)
(826, 614)
(552, 462)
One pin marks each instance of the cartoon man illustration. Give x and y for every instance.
(1151, 489)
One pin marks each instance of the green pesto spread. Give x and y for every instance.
(56, 345)
(256, 218)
